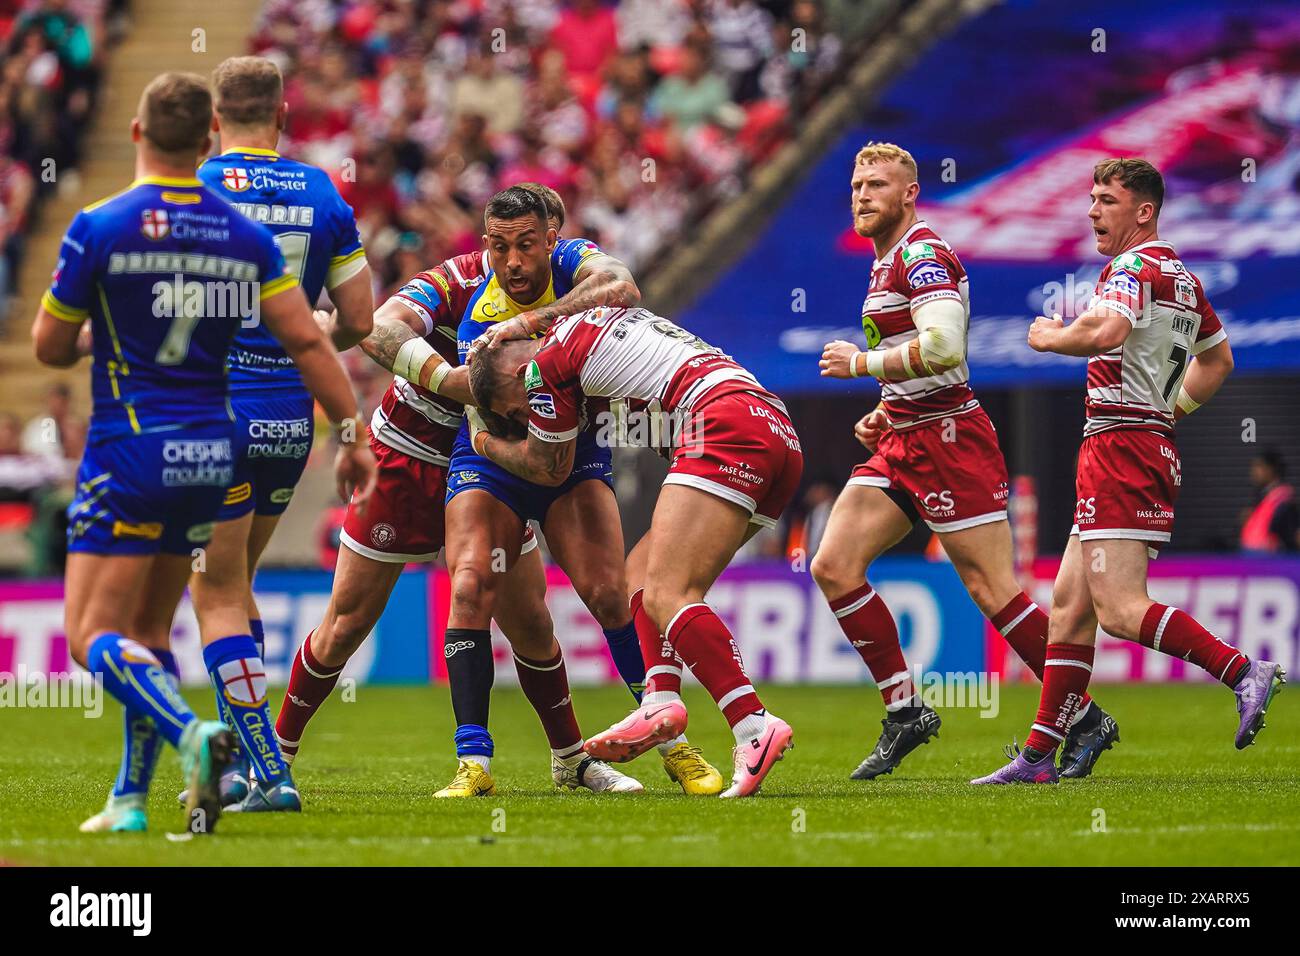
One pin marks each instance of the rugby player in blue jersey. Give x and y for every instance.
(166, 273)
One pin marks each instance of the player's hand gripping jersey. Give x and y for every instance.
(491, 304)
(1129, 471)
(940, 459)
(317, 234)
(732, 437)
(167, 273)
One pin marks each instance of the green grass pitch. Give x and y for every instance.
(1174, 792)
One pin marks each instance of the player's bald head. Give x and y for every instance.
(495, 376)
(175, 114)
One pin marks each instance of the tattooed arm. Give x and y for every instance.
(397, 343)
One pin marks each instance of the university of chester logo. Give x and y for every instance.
(235, 178)
(154, 224)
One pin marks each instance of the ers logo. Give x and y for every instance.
(1085, 509)
(938, 501)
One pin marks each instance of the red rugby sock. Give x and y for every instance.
(310, 682)
(663, 668)
(546, 685)
(1176, 633)
(865, 619)
(1024, 625)
(709, 650)
(1066, 671)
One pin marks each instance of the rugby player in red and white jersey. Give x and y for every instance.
(736, 464)
(1156, 352)
(412, 432)
(935, 456)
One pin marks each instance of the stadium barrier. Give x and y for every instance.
(783, 627)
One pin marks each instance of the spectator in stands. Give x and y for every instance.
(695, 94)
(50, 432)
(806, 56)
(17, 191)
(645, 24)
(587, 35)
(1273, 524)
(742, 43)
(489, 92)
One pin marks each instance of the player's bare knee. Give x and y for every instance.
(472, 591)
(835, 577)
(608, 603)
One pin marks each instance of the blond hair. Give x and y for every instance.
(875, 152)
(248, 89)
(175, 112)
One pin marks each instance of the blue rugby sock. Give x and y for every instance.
(473, 740)
(135, 676)
(259, 636)
(141, 742)
(626, 651)
(240, 677)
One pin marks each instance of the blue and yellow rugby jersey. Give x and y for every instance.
(167, 272)
(314, 228)
(491, 304)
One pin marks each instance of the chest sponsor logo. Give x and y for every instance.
(542, 404)
(927, 273)
(1185, 292)
(532, 377)
(1127, 262)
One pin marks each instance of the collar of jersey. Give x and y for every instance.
(167, 181)
(522, 307)
(251, 151)
(902, 241)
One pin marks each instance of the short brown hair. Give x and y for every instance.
(875, 152)
(554, 204)
(175, 112)
(249, 89)
(1136, 175)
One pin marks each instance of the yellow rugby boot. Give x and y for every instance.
(686, 766)
(471, 780)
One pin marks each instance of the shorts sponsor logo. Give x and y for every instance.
(1085, 510)
(281, 496)
(466, 477)
(743, 472)
(278, 438)
(197, 462)
(927, 273)
(542, 404)
(1157, 512)
(199, 533)
(383, 534)
(939, 503)
(239, 493)
(145, 530)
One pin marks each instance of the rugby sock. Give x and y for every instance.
(259, 636)
(866, 622)
(625, 649)
(310, 683)
(142, 742)
(663, 668)
(1066, 671)
(546, 685)
(1176, 633)
(240, 675)
(135, 676)
(1024, 626)
(709, 650)
(470, 671)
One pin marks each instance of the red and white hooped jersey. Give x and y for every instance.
(1135, 385)
(411, 419)
(624, 354)
(918, 269)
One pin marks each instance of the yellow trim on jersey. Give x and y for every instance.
(166, 181)
(503, 307)
(144, 181)
(250, 151)
(343, 268)
(181, 199)
(64, 313)
(130, 414)
(278, 285)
